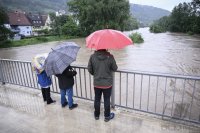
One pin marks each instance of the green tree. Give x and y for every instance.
(4, 32)
(181, 18)
(70, 27)
(184, 18)
(160, 25)
(56, 23)
(131, 24)
(64, 25)
(93, 15)
(196, 16)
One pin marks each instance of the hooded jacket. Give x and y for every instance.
(44, 80)
(66, 79)
(101, 65)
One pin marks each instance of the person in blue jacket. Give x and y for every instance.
(45, 82)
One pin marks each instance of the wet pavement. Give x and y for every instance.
(22, 110)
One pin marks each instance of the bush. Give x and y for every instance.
(5, 44)
(190, 33)
(43, 32)
(42, 39)
(156, 29)
(136, 37)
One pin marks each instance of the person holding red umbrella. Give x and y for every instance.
(102, 65)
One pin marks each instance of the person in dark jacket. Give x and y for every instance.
(66, 82)
(101, 65)
(45, 82)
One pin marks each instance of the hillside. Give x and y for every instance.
(43, 6)
(147, 14)
(144, 14)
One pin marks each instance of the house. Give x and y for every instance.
(47, 22)
(60, 12)
(19, 23)
(39, 22)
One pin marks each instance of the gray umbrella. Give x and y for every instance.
(61, 57)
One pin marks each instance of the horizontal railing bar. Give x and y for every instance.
(132, 72)
(151, 73)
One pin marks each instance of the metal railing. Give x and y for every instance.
(172, 96)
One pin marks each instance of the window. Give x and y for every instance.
(27, 32)
(27, 27)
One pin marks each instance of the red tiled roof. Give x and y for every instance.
(18, 18)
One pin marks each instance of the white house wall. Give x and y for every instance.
(25, 30)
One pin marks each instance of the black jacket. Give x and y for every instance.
(101, 65)
(66, 80)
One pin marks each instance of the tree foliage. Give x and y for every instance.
(93, 15)
(4, 32)
(63, 25)
(184, 18)
(131, 23)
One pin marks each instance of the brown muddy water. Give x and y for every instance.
(174, 53)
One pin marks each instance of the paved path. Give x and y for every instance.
(23, 111)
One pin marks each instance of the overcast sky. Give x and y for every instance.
(165, 4)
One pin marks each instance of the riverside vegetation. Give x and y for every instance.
(33, 40)
(136, 37)
(184, 18)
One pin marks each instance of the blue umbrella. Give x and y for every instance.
(60, 58)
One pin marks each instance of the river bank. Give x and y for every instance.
(33, 41)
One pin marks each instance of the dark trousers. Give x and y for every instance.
(46, 94)
(97, 102)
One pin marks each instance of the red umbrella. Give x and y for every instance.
(107, 39)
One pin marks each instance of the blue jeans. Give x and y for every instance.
(69, 93)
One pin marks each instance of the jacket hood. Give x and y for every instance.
(102, 55)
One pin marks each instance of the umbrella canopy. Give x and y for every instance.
(38, 62)
(61, 57)
(107, 39)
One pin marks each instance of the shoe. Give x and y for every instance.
(112, 115)
(65, 104)
(73, 106)
(96, 117)
(52, 101)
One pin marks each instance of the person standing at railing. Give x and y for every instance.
(66, 82)
(101, 65)
(45, 83)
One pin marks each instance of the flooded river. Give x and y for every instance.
(174, 53)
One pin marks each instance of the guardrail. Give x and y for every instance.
(172, 96)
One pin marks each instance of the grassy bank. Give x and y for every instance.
(33, 40)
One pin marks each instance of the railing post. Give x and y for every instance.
(1, 73)
(113, 92)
